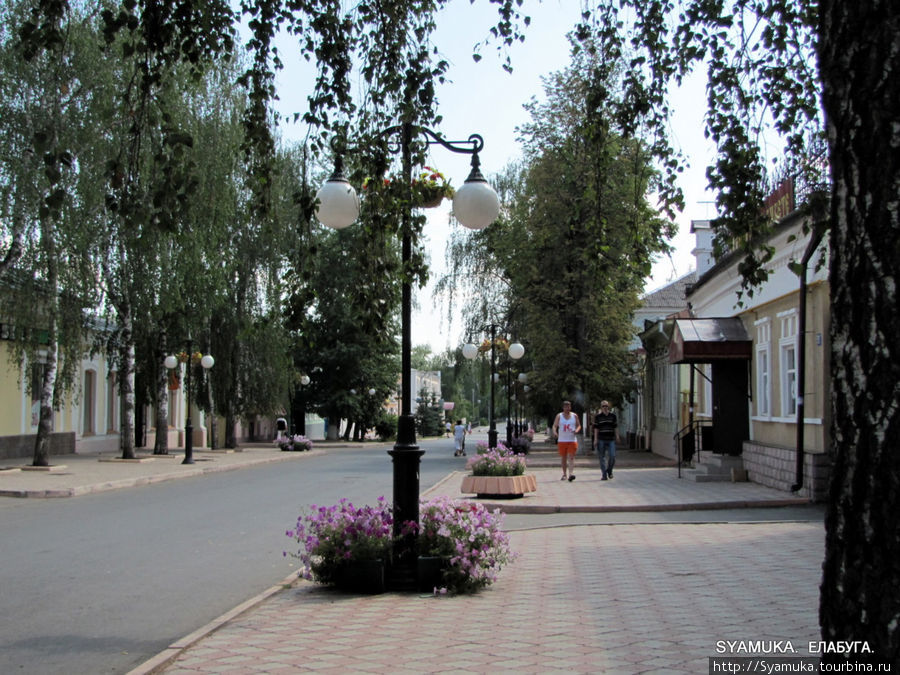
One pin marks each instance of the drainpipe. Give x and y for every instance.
(801, 355)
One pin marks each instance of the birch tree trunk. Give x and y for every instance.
(127, 385)
(859, 55)
(213, 419)
(51, 362)
(161, 443)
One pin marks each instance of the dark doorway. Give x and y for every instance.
(731, 423)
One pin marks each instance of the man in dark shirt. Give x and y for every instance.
(606, 435)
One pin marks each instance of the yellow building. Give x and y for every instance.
(87, 421)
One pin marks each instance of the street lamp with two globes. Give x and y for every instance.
(515, 351)
(475, 205)
(190, 359)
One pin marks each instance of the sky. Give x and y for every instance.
(483, 98)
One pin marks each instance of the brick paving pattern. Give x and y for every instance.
(581, 599)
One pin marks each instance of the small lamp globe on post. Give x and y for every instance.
(520, 403)
(171, 362)
(301, 404)
(515, 351)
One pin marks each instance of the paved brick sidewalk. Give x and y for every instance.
(584, 599)
(80, 474)
(631, 490)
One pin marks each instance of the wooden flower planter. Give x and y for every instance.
(499, 487)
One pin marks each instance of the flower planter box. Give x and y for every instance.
(504, 487)
(362, 576)
(430, 572)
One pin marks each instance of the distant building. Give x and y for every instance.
(429, 380)
(634, 423)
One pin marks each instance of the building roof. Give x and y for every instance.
(708, 340)
(671, 296)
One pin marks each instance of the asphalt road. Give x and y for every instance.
(100, 583)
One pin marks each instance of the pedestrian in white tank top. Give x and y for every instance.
(566, 428)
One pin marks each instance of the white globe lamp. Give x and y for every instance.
(516, 350)
(475, 204)
(338, 203)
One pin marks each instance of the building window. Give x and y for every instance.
(706, 379)
(788, 364)
(665, 390)
(112, 408)
(87, 402)
(763, 369)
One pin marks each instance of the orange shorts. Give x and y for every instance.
(567, 448)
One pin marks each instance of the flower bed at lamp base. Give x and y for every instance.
(461, 546)
(503, 487)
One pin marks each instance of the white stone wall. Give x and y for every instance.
(776, 467)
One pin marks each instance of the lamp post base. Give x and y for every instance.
(406, 457)
(492, 437)
(188, 443)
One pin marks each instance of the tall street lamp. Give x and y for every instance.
(520, 403)
(475, 206)
(514, 351)
(298, 426)
(190, 359)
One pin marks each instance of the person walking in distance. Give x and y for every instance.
(459, 439)
(606, 435)
(566, 426)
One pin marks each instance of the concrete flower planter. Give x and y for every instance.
(504, 487)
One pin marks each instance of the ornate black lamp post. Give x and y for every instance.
(190, 360)
(475, 206)
(514, 351)
(298, 426)
(509, 424)
(520, 403)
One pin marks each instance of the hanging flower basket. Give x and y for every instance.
(500, 342)
(430, 187)
(431, 199)
(427, 189)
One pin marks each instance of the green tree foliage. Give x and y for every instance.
(152, 178)
(343, 336)
(429, 416)
(567, 259)
(48, 279)
(152, 210)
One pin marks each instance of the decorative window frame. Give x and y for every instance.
(665, 390)
(763, 368)
(787, 364)
(90, 383)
